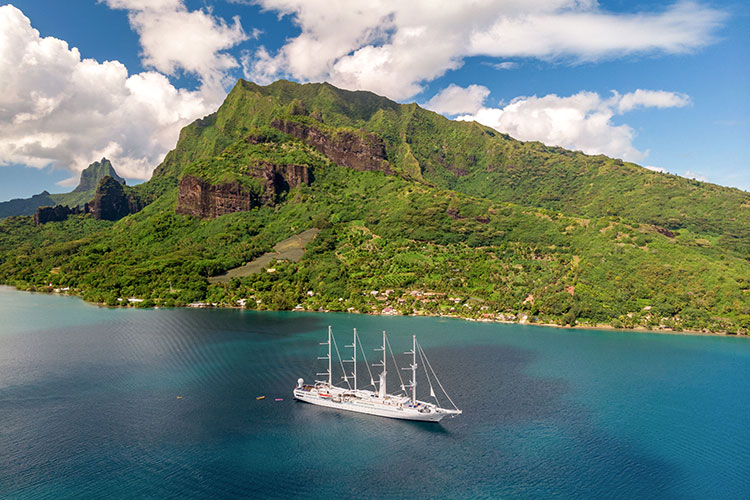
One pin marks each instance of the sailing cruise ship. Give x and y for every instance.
(376, 402)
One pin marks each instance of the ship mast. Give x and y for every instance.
(354, 359)
(413, 369)
(329, 372)
(381, 384)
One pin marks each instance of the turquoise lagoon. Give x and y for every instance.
(89, 408)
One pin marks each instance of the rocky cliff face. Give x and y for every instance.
(278, 179)
(200, 198)
(57, 213)
(111, 202)
(360, 152)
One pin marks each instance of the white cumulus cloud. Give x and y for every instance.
(57, 108)
(392, 47)
(650, 99)
(582, 121)
(173, 38)
(453, 99)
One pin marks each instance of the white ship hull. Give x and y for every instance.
(365, 403)
(380, 403)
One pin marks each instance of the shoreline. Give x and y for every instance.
(603, 327)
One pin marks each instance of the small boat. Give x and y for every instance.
(403, 405)
(261, 397)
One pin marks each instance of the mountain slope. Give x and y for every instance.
(415, 216)
(25, 206)
(467, 157)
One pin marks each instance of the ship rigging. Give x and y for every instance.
(403, 405)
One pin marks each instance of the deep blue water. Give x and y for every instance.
(89, 409)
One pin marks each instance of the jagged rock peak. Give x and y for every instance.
(94, 173)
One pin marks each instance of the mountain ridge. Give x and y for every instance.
(475, 159)
(83, 192)
(417, 214)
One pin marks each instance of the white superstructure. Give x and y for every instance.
(375, 402)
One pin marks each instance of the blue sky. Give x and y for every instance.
(661, 84)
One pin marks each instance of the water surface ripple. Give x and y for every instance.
(98, 402)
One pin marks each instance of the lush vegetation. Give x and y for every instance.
(240, 160)
(477, 160)
(448, 235)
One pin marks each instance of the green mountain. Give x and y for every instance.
(83, 193)
(476, 160)
(417, 214)
(94, 173)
